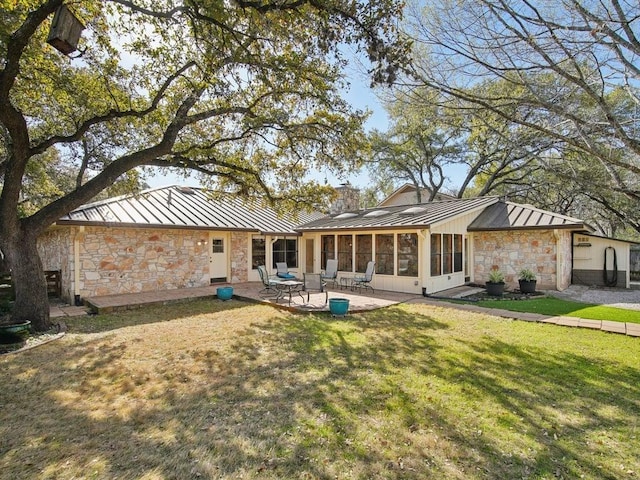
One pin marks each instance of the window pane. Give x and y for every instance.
(408, 254)
(384, 254)
(447, 248)
(364, 252)
(345, 253)
(217, 245)
(327, 249)
(436, 254)
(457, 253)
(258, 252)
(285, 250)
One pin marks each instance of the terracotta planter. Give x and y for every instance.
(495, 289)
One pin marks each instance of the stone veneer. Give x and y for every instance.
(239, 245)
(129, 260)
(55, 247)
(513, 250)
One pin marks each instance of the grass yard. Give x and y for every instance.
(235, 390)
(558, 307)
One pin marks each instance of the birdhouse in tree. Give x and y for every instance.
(65, 31)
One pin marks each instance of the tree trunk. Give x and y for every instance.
(30, 285)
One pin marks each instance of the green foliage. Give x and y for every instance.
(246, 94)
(424, 137)
(526, 275)
(496, 276)
(551, 100)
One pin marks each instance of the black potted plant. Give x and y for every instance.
(495, 284)
(527, 281)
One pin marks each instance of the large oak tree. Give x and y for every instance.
(244, 92)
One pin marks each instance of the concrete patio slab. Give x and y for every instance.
(358, 302)
(587, 323)
(568, 321)
(552, 320)
(633, 329)
(614, 327)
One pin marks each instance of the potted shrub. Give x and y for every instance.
(527, 280)
(495, 284)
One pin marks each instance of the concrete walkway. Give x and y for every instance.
(358, 302)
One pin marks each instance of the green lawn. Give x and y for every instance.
(230, 390)
(557, 307)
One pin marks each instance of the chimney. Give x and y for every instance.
(348, 199)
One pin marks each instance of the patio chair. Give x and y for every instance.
(313, 282)
(267, 282)
(282, 271)
(330, 274)
(364, 281)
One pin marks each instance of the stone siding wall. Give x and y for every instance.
(239, 257)
(128, 260)
(511, 251)
(55, 247)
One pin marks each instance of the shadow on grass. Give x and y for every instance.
(376, 395)
(148, 315)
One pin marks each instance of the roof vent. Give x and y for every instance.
(186, 190)
(413, 211)
(375, 213)
(345, 215)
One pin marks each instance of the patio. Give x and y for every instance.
(358, 301)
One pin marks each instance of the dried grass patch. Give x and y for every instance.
(235, 390)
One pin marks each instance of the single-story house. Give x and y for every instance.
(178, 237)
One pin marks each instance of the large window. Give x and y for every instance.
(327, 249)
(408, 254)
(447, 251)
(384, 254)
(457, 253)
(286, 250)
(446, 254)
(345, 253)
(258, 252)
(364, 252)
(436, 254)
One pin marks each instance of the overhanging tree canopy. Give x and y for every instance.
(571, 71)
(244, 92)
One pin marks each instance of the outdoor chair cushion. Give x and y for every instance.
(286, 275)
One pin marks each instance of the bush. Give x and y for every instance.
(526, 275)
(496, 276)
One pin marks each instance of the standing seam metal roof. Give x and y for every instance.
(178, 207)
(508, 215)
(401, 216)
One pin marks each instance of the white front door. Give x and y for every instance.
(218, 257)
